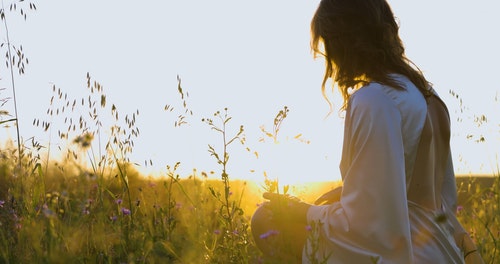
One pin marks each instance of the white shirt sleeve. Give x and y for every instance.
(370, 223)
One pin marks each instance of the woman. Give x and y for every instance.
(398, 197)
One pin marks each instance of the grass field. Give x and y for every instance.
(92, 206)
(68, 214)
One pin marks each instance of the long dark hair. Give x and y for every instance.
(361, 44)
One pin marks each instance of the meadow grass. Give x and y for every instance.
(478, 211)
(79, 218)
(94, 207)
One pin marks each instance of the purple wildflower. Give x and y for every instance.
(217, 231)
(46, 211)
(2, 202)
(459, 208)
(269, 233)
(125, 211)
(308, 228)
(118, 201)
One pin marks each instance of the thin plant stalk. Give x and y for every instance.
(16, 119)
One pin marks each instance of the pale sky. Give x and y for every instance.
(252, 57)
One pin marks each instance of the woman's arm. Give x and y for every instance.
(372, 214)
(330, 196)
(471, 253)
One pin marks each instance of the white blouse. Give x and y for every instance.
(374, 222)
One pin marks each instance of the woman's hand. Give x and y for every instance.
(279, 228)
(471, 254)
(329, 197)
(279, 198)
(473, 257)
(287, 207)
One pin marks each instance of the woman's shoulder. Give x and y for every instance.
(375, 95)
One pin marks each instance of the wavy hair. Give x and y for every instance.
(360, 44)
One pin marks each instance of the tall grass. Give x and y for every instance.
(479, 212)
(93, 206)
(15, 58)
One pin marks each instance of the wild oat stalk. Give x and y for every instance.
(19, 60)
(186, 111)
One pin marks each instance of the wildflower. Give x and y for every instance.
(48, 213)
(217, 231)
(86, 211)
(308, 228)
(113, 218)
(269, 233)
(125, 211)
(459, 208)
(118, 201)
(2, 202)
